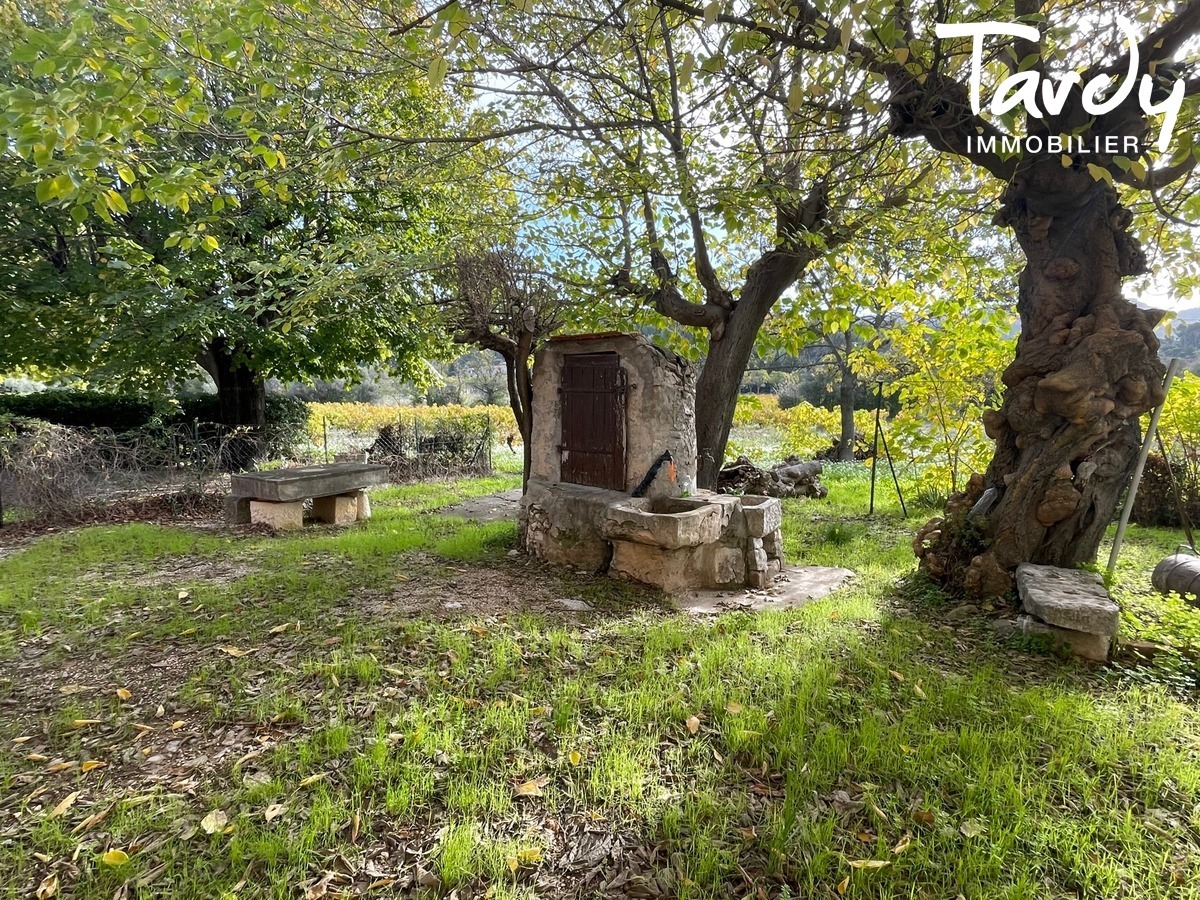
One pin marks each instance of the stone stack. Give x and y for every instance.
(1071, 606)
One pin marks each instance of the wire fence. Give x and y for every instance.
(65, 474)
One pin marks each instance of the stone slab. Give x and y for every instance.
(763, 514)
(340, 509)
(302, 482)
(1089, 646)
(280, 516)
(237, 510)
(1068, 598)
(794, 586)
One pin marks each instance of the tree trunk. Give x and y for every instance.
(241, 397)
(241, 392)
(1086, 368)
(846, 396)
(721, 378)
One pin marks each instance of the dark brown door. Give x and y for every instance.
(593, 430)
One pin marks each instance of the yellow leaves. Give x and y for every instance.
(115, 858)
(575, 757)
(313, 779)
(1100, 173)
(92, 765)
(280, 629)
(438, 67)
(901, 54)
(214, 822)
(525, 857)
(693, 724)
(48, 888)
(903, 844)
(711, 11)
(843, 886)
(869, 864)
(84, 723)
(124, 693)
(733, 707)
(237, 652)
(531, 788)
(64, 804)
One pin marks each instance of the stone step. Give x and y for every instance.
(1068, 598)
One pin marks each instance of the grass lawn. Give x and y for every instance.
(403, 708)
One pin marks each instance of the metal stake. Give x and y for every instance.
(1172, 368)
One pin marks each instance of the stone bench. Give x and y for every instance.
(276, 498)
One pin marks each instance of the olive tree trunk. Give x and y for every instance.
(1086, 369)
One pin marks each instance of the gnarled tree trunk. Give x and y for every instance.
(1086, 368)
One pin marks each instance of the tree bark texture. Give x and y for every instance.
(1086, 369)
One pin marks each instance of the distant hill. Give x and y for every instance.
(1189, 315)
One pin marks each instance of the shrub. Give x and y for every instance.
(369, 418)
(85, 409)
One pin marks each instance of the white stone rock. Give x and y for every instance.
(280, 516)
(1068, 598)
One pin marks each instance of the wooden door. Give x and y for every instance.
(593, 420)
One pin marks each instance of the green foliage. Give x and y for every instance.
(86, 409)
(201, 193)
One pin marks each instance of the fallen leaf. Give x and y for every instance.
(215, 821)
(869, 863)
(183, 595)
(313, 779)
(843, 885)
(733, 707)
(54, 768)
(532, 788)
(279, 629)
(83, 723)
(115, 858)
(480, 630)
(48, 888)
(274, 811)
(177, 724)
(917, 690)
(64, 804)
(693, 724)
(924, 817)
(136, 634)
(902, 844)
(530, 855)
(236, 651)
(896, 675)
(971, 828)
(124, 694)
(23, 740)
(91, 765)
(576, 757)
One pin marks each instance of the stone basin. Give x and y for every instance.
(669, 523)
(763, 514)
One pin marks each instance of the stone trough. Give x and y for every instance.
(706, 541)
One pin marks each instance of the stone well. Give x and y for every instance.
(612, 477)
